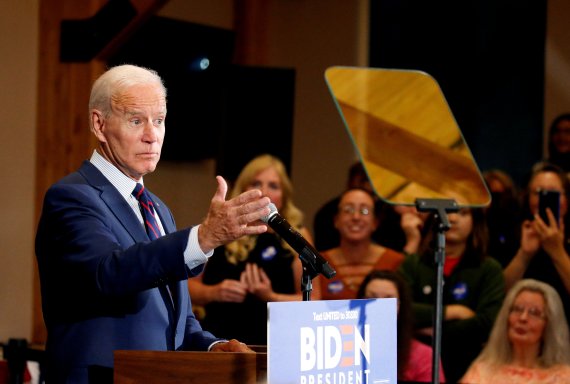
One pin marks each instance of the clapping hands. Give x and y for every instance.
(253, 280)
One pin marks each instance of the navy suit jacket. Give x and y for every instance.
(104, 284)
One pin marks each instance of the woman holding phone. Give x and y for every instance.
(544, 248)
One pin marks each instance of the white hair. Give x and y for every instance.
(555, 346)
(115, 80)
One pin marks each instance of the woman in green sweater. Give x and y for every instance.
(473, 291)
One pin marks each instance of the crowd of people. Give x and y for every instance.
(137, 280)
(493, 256)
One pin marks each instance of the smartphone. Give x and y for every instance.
(549, 199)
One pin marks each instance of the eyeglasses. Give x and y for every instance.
(350, 210)
(533, 312)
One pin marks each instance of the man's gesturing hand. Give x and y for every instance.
(230, 220)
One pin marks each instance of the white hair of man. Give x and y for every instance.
(117, 79)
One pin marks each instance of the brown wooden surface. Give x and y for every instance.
(151, 367)
(250, 26)
(63, 139)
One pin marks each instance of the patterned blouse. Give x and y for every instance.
(483, 373)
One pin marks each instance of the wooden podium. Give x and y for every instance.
(151, 367)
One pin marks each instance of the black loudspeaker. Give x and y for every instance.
(193, 61)
(257, 117)
(215, 109)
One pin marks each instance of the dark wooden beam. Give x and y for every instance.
(250, 26)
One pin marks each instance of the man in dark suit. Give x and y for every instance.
(107, 285)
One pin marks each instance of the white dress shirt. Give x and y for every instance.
(193, 254)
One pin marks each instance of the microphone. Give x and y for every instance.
(307, 253)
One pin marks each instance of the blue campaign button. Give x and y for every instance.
(269, 253)
(460, 291)
(335, 286)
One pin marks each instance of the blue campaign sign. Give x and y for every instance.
(332, 342)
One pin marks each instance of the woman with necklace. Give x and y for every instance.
(357, 254)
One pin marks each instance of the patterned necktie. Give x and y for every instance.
(148, 213)
(151, 226)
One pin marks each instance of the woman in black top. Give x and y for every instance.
(240, 278)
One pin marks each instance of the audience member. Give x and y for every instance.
(388, 232)
(357, 254)
(559, 142)
(529, 341)
(543, 249)
(240, 278)
(412, 225)
(107, 283)
(503, 216)
(414, 357)
(472, 294)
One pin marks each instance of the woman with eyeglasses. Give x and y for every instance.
(529, 341)
(544, 248)
(357, 254)
(473, 290)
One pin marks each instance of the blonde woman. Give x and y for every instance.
(529, 341)
(240, 278)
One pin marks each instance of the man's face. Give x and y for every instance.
(131, 137)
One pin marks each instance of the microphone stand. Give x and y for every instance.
(440, 208)
(313, 265)
(306, 283)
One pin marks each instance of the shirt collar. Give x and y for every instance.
(124, 184)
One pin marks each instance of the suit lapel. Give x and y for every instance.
(172, 295)
(164, 215)
(125, 215)
(116, 203)
(175, 294)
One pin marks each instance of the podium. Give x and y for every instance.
(335, 341)
(151, 367)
